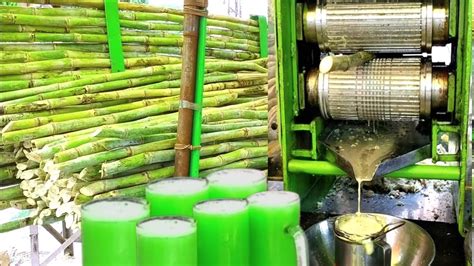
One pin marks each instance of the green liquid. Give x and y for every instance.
(167, 242)
(176, 196)
(271, 214)
(223, 233)
(109, 231)
(236, 183)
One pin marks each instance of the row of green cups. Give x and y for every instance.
(196, 223)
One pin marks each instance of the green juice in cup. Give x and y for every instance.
(223, 232)
(276, 239)
(167, 241)
(176, 196)
(109, 231)
(236, 183)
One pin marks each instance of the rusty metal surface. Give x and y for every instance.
(188, 83)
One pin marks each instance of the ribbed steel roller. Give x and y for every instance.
(385, 89)
(376, 26)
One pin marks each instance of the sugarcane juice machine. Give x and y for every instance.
(400, 84)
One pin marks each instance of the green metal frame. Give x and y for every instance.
(307, 169)
(199, 91)
(114, 36)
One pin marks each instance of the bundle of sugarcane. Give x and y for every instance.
(72, 131)
(38, 34)
(106, 134)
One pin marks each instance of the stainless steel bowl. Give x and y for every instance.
(411, 245)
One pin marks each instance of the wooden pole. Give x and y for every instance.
(193, 10)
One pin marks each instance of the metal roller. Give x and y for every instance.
(381, 27)
(385, 89)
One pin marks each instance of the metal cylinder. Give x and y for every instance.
(385, 89)
(381, 27)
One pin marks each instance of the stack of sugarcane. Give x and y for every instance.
(69, 136)
(73, 36)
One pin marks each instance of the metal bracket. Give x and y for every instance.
(66, 239)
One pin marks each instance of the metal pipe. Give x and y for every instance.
(325, 168)
(188, 83)
(197, 119)
(379, 26)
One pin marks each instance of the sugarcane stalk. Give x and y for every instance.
(152, 157)
(145, 177)
(72, 125)
(52, 74)
(20, 204)
(221, 32)
(117, 80)
(344, 62)
(6, 158)
(253, 163)
(134, 132)
(217, 53)
(222, 22)
(92, 173)
(11, 192)
(8, 175)
(135, 191)
(80, 163)
(108, 144)
(73, 63)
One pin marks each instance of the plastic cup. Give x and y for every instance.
(109, 230)
(167, 241)
(236, 183)
(223, 232)
(276, 237)
(176, 196)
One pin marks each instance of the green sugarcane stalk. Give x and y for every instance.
(4, 204)
(12, 225)
(80, 163)
(66, 112)
(7, 158)
(140, 48)
(145, 177)
(35, 121)
(235, 44)
(87, 98)
(126, 18)
(20, 204)
(31, 56)
(92, 173)
(214, 81)
(163, 38)
(52, 74)
(129, 6)
(129, 15)
(117, 80)
(6, 57)
(38, 121)
(221, 32)
(209, 115)
(135, 192)
(134, 132)
(8, 175)
(151, 157)
(11, 192)
(73, 63)
(106, 145)
(73, 125)
(127, 94)
(91, 88)
(32, 120)
(253, 163)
